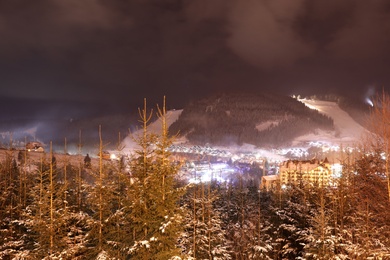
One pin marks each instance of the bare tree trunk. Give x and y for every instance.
(40, 189)
(259, 230)
(25, 176)
(65, 177)
(209, 206)
(195, 220)
(51, 200)
(79, 174)
(100, 185)
(145, 119)
(322, 218)
(162, 114)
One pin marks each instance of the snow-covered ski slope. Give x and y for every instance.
(154, 127)
(347, 130)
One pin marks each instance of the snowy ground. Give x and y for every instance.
(347, 130)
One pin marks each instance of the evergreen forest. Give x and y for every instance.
(139, 208)
(235, 119)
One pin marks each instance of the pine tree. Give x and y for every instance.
(155, 213)
(379, 125)
(74, 223)
(101, 202)
(371, 229)
(10, 206)
(45, 218)
(321, 241)
(290, 224)
(204, 227)
(245, 221)
(119, 224)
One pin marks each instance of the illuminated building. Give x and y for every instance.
(306, 172)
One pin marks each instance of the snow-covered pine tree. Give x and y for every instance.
(340, 196)
(236, 218)
(44, 214)
(259, 241)
(75, 224)
(141, 170)
(168, 192)
(370, 228)
(101, 201)
(155, 211)
(378, 124)
(11, 201)
(118, 231)
(204, 226)
(289, 224)
(244, 223)
(322, 242)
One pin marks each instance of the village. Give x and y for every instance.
(205, 164)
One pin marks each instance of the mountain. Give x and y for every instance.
(266, 114)
(34, 119)
(347, 130)
(263, 120)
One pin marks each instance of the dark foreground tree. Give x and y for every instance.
(156, 215)
(205, 235)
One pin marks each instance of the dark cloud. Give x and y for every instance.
(50, 26)
(118, 52)
(365, 37)
(262, 32)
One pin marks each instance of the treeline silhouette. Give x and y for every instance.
(142, 207)
(233, 119)
(228, 220)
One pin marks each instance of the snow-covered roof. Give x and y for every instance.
(271, 177)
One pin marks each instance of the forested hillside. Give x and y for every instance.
(141, 208)
(262, 120)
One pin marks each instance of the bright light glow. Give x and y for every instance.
(219, 166)
(113, 157)
(337, 170)
(219, 172)
(206, 178)
(368, 101)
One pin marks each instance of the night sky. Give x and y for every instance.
(117, 52)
